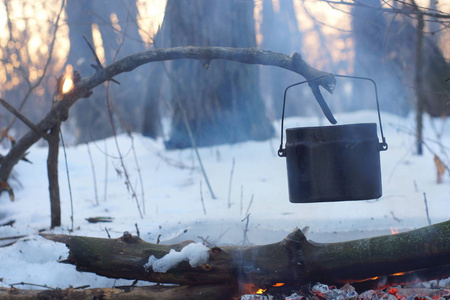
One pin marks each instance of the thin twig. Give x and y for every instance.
(426, 208)
(205, 241)
(395, 218)
(242, 200)
(105, 191)
(93, 174)
(137, 230)
(201, 198)
(22, 118)
(138, 169)
(68, 179)
(33, 284)
(98, 67)
(194, 145)
(8, 244)
(12, 237)
(107, 233)
(229, 185)
(245, 240)
(249, 205)
(9, 223)
(158, 240)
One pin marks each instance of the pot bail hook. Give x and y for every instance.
(383, 146)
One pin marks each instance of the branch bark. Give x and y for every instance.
(293, 261)
(60, 112)
(52, 173)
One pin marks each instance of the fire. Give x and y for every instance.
(262, 291)
(398, 274)
(394, 230)
(278, 284)
(67, 84)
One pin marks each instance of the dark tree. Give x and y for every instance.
(220, 103)
(280, 33)
(157, 84)
(370, 31)
(91, 117)
(390, 58)
(151, 123)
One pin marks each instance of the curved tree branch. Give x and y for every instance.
(60, 111)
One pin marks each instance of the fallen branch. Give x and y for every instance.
(60, 112)
(293, 261)
(157, 292)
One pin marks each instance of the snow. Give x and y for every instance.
(196, 254)
(173, 189)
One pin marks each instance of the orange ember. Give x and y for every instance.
(278, 284)
(398, 274)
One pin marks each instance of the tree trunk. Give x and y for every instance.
(52, 173)
(151, 125)
(223, 104)
(378, 58)
(280, 33)
(92, 122)
(293, 261)
(418, 80)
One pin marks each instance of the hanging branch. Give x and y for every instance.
(60, 112)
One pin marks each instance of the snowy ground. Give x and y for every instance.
(172, 198)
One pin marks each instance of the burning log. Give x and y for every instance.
(293, 261)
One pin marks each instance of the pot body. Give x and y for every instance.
(333, 163)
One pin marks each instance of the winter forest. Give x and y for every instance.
(162, 119)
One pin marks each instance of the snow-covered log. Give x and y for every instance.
(293, 261)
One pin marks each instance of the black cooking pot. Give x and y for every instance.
(333, 163)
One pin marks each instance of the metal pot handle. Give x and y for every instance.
(383, 144)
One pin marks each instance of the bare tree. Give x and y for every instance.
(116, 22)
(223, 104)
(26, 70)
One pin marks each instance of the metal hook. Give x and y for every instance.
(383, 145)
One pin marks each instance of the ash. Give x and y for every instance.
(319, 291)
